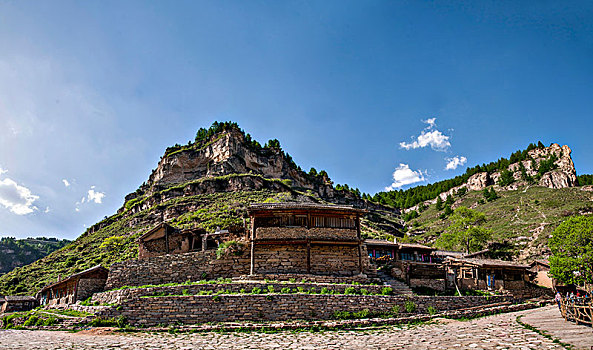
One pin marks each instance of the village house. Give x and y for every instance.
(74, 288)
(380, 248)
(487, 274)
(303, 238)
(165, 239)
(541, 269)
(17, 303)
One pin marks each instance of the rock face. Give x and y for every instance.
(229, 154)
(228, 163)
(564, 175)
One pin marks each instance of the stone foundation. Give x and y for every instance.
(331, 263)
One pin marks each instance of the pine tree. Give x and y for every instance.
(439, 204)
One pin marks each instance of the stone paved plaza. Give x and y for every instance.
(493, 332)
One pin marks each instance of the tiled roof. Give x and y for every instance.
(414, 246)
(80, 274)
(490, 263)
(301, 205)
(20, 298)
(380, 242)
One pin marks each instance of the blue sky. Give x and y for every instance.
(92, 92)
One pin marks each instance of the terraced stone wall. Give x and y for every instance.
(121, 295)
(151, 311)
(176, 268)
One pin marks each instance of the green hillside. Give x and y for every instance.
(523, 219)
(19, 252)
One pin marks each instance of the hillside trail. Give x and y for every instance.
(535, 232)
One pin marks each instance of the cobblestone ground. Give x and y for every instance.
(493, 332)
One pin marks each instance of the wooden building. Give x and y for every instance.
(414, 252)
(302, 238)
(379, 248)
(74, 288)
(15, 303)
(487, 274)
(165, 239)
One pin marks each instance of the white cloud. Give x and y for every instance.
(453, 163)
(16, 198)
(95, 196)
(66, 182)
(403, 175)
(431, 122)
(429, 137)
(3, 171)
(77, 209)
(47, 210)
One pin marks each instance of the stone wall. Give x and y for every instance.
(338, 261)
(88, 286)
(313, 233)
(435, 284)
(280, 258)
(335, 260)
(120, 295)
(151, 311)
(175, 268)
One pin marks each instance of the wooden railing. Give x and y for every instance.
(577, 310)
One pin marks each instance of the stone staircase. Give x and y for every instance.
(398, 287)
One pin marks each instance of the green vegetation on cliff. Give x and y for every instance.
(523, 219)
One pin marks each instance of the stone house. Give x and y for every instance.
(166, 239)
(541, 269)
(16, 303)
(487, 274)
(74, 288)
(304, 238)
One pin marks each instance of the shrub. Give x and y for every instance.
(364, 291)
(395, 309)
(271, 289)
(230, 247)
(350, 290)
(324, 290)
(256, 290)
(285, 290)
(431, 310)
(410, 306)
(386, 291)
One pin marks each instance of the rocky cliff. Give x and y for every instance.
(525, 173)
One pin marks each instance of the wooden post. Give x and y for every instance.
(167, 239)
(252, 262)
(359, 243)
(308, 256)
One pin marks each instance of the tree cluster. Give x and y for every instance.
(571, 245)
(466, 231)
(585, 180)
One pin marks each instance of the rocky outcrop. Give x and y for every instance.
(562, 176)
